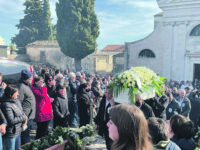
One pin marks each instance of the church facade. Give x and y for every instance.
(173, 48)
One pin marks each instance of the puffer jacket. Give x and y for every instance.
(14, 115)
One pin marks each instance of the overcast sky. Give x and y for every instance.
(120, 20)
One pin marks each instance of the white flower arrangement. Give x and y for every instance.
(137, 79)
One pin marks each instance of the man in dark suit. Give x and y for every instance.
(102, 117)
(145, 108)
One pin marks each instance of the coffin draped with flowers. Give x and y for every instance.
(136, 80)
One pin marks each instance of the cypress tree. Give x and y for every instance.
(46, 30)
(77, 28)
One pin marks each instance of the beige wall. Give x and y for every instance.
(53, 56)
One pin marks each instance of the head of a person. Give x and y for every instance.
(78, 76)
(43, 71)
(89, 81)
(57, 71)
(72, 76)
(138, 99)
(61, 90)
(38, 81)
(181, 93)
(104, 81)
(11, 92)
(26, 75)
(83, 88)
(182, 127)
(59, 77)
(187, 90)
(83, 75)
(158, 130)
(128, 127)
(169, 96)
(175, 90)
(96, 83)
(108, 93)
(50, 80)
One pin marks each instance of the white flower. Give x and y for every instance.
(183, 104)
(170, 110)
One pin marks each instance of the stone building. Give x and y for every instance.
(49, 52)
(173, 48)
(4, 49)
(102, 61)
(118, 63)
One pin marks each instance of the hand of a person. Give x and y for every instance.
(51, 99)
(3, 85)
(25, 122)
(3, 128)
(78, 83)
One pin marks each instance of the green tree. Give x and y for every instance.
(46, 30)
(29, 26)
(35, 25)
(77, 28)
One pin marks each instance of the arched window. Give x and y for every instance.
(146, 53)
(195, 31)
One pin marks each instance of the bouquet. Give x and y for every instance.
(137, 80)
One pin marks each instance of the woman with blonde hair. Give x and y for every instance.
(128, 128)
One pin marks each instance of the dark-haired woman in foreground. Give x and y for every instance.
(128, 128)
(183, 130)
(15, 117)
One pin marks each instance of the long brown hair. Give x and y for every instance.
(132, 128)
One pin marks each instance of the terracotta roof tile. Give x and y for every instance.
(113, 48)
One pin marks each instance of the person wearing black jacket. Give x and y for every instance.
(73, 106)
(158, 104)
(3, 124)
(51, 88)
(27, 100)
(85, 104)
(97, 93)
(15, 117)
(102, 117)
(173, 107)
(60, 108)
(145, 108)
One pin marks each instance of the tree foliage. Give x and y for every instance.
(46, 31)
(35, 24)
(77, 28)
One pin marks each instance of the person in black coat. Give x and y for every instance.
(15, 117)
(145, 108)
(173, 107)
(85, 104)
(102, 117)
(60, 108)
(73, 106)
(3, 124)
(28, 102)
(51, 88)
(97, 93)
(158, 104)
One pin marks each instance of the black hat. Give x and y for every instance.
(26, 74)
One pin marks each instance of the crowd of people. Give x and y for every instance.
(74, 99)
